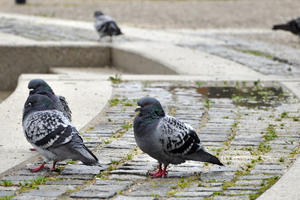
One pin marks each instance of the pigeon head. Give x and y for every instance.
(98, 13)
(38, 102)
(37, 85)
(150, 106)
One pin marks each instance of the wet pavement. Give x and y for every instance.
(257, 144)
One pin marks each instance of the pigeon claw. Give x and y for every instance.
(159, 173)
(42, 166)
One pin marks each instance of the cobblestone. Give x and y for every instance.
(230, 131)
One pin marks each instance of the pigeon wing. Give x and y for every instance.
(66, 108)
(47, 129)
(177, 137)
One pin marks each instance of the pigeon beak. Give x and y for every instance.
(138, 109)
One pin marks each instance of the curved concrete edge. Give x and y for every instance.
(287, 187)
(87, 98)
(181, 60)
(39, 57)
(130, 60)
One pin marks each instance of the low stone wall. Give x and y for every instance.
(16, 60)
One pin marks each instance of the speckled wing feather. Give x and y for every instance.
(177, 137)
(46, 129)
(66, 110)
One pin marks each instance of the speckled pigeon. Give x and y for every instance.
(52, 133)
(292, 26)
(105, 25)
(39, 86)
(165, 138)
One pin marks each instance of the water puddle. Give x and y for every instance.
(255, 96)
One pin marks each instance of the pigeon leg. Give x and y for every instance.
(53, 166)
(42, 166)
(164, 172)
(158, 172)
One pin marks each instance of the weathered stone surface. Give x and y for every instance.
(203, 189)
(134, 172)
(269, 167)
(112, 182)
(77, 176)
(65, 182)
(127, 177)
(231, 198)
(238, 192)
(194, 194)
(259, 171)
(49, 191)
(249, 182)
(216, 168)
(121, 197)
(186, 198)
(10, 188)
(28, 197)
(217, 176)
(255, 177)
(93, 194)
(151, 189)
(20, 178)
(81, 170)
(243, 188)
(6, 193)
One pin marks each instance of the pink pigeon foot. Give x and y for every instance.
(42, 166)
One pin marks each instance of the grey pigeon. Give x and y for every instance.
(105, 25)
(165, 138)
(292, 26)
(52, 133)
(39, 86)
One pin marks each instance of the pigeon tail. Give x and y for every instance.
(285, 27)
(204, 156)
(89, 161)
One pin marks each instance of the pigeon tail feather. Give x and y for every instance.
(285, 27)
(84, 154)
(203, 156)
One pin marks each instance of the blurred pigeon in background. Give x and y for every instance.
(292, 26)
(52, 133)
(39, 86)
(165, 138)
(106, 26)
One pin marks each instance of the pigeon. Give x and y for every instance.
(165, 138)
(106, 26)
(292, 26)
(39, 86)
(52, 134)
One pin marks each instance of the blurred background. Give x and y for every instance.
(168, 13)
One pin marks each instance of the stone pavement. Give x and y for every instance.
(256, 136)
(257, 145)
